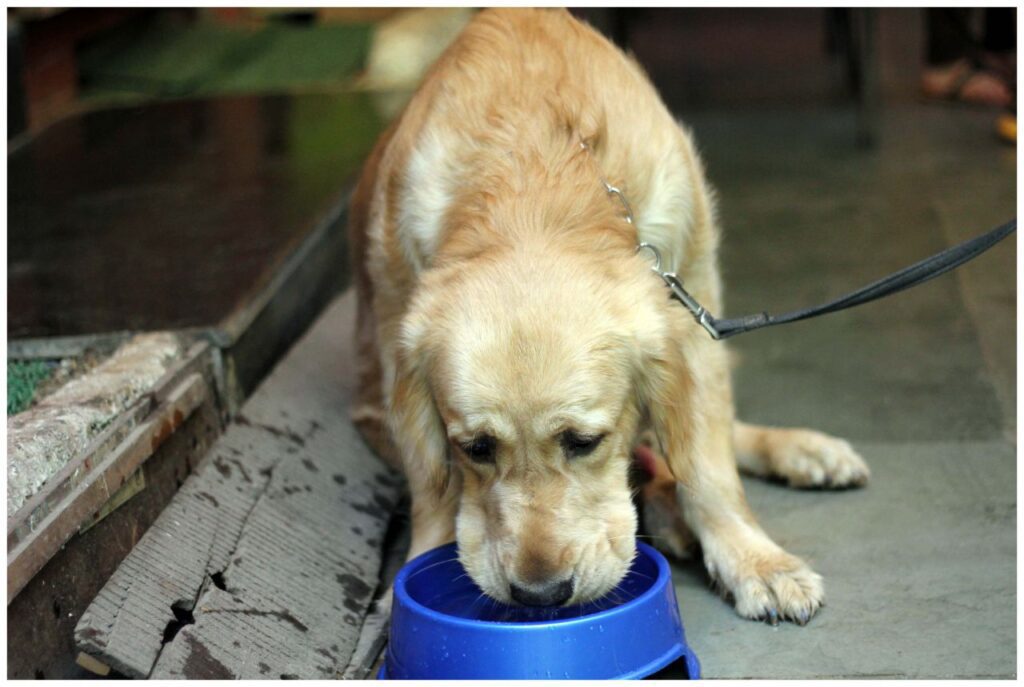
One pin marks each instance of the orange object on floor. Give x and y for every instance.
(1006, 127)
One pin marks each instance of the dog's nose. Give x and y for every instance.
(551, 594)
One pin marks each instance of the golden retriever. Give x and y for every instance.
(516, 350)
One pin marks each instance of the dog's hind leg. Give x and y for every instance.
(801, 457)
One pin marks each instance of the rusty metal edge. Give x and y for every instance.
(33, 552)
(227, 332)
(65, 346)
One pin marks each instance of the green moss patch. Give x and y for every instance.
(23, 378)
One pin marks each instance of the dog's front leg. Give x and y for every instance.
(765, 581)
(693, 417)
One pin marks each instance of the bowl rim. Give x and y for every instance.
(406, 599)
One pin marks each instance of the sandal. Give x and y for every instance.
(966, 82)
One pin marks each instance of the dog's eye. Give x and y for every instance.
(576, 445)
(481, 449)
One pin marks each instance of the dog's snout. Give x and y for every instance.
(550, 594)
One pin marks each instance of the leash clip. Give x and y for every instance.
(698, 311)
(675, 285)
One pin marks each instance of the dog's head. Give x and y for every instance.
(523, 380)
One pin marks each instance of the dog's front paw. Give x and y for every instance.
(812, 459)
(773, 586)
(788, 593)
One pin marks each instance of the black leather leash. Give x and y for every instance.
(918, 273)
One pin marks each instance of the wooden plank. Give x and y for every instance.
(61, 485)
(300, 582)
(35, 549)
(62, 590)
(271, 553)
(195, 535)
(60, 428)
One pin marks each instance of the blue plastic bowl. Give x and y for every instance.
(442, 626)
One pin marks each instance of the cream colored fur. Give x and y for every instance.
(501, 297)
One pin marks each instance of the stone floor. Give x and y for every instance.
(920, 566)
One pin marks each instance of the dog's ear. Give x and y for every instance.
(415, 423)
(669, 396)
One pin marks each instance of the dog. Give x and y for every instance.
(516, 351)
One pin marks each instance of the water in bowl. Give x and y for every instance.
(461, 598)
